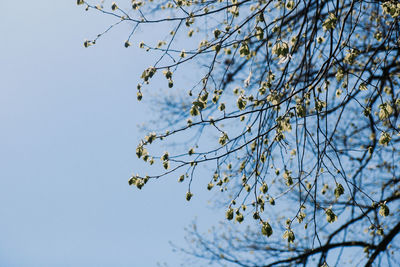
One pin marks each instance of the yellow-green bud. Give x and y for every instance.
(188, 196)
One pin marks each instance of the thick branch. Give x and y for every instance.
(325, 248)
(383, 244)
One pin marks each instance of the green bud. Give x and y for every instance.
(165, 156)
(380, 231)
(132, 180)
(272, 201)
(216, 33)
(114, 6)
(241, 103)
(239, 218)
(256, 216)
(330, 216)
(266, 229)
(139, 96)
(166, 165)
(191, 151)
(339, 190)
(229, 214)
(289, 235)
(188, 196)
(87, 43)
(264, 188)
(194, 111)
(210, 186)
(384, 210)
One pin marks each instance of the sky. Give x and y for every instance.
(69, 129)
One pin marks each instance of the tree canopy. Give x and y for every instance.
(292, 110)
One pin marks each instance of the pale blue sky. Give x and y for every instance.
(67, 147)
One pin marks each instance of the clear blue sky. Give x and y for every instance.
(67, 147)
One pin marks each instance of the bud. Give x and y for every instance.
(139, 96)
(188, 196)
(266, 229)
(384, 210)
(339, 190)
(239, 218)
(210, 186)
(114, 6)
(229, 214)
(264, 188)
(87, 43)
(191, 151)
(289, 235)
(330, 216)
